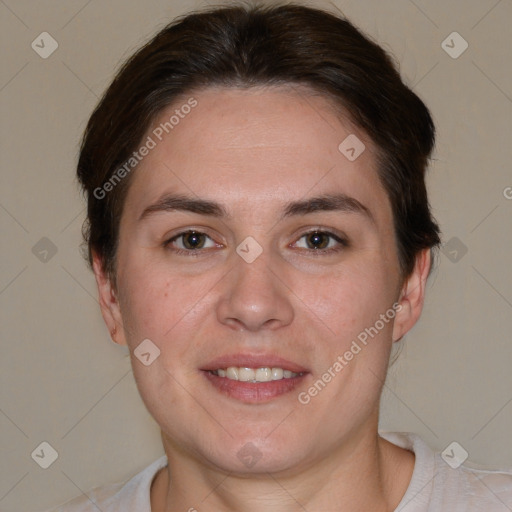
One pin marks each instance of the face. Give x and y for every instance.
(252, 248)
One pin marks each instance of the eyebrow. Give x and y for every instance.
(326, 202)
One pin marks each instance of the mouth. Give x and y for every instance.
(254, 379)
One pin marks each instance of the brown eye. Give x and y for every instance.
(317, 240)
(322, 241)
(193, 240)
(189, 242)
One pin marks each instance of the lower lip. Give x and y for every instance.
(254, 392)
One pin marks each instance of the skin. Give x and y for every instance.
(253, 151)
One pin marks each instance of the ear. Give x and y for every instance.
(109, 304)
(412, 296)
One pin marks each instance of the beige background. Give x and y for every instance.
(65, 382)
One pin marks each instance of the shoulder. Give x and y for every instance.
(134, 495)
(474, 487)
(445, 481)
(90, 501)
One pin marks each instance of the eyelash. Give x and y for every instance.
(343, 243)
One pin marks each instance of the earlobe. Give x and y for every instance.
(412, 296)
(108, 302)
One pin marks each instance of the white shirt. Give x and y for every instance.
(434, 487)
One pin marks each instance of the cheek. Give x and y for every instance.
(160, 308)
(348, 300)
(161, 305)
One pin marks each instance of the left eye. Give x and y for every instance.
(322, 241)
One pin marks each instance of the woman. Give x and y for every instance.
(260, 233)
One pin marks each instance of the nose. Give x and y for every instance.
(254, 297)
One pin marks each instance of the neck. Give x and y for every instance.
(366, 473)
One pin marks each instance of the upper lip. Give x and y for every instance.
(253, 361)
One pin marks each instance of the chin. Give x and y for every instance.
(254, 455)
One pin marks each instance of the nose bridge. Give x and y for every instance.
(254, 296)
(254, 273)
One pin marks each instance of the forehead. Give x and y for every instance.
(255, 148)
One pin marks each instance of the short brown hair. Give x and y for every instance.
(250, 45)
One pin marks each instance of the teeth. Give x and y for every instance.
(246, 374)
(277, 373)
(232, 373)
(264, 374)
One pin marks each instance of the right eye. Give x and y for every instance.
(188, 243)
